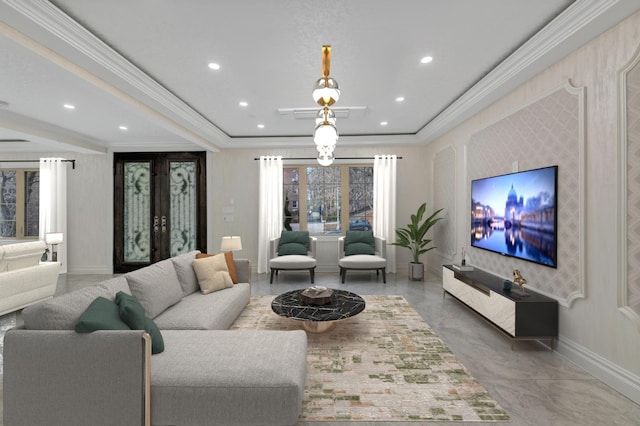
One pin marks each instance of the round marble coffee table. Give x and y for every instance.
(315, 318)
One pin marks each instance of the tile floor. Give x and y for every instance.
(534, 384)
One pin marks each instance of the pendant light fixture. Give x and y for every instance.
(326, 92)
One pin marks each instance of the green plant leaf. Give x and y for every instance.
(413, 235)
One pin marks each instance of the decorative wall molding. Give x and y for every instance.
(546, 47)
(629, 192)
(444, 192)
(546, 131)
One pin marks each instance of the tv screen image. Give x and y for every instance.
(516, 215)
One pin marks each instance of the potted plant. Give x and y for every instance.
(413, 238)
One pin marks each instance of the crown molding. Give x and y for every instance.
(579, 23)
(94, 52)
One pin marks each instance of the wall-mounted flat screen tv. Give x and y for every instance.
(516, 215)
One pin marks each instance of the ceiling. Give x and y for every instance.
(144, 65)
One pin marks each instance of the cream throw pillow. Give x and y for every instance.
(212, 273)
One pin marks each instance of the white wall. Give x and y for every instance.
(593, 331)
(89, 238)
(234, 191)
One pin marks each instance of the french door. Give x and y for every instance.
(159, 207)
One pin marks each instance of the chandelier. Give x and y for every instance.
(326, 93)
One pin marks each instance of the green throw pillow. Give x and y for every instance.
(359, 242)
(132, 313)
(292, 248)
(102, 314)
(293, 242)
(301, 237)
(157, 342)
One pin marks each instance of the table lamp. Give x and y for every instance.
(53, 239)
(231, 243)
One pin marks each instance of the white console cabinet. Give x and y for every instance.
(530, 317)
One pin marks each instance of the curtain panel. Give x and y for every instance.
(384, 203)
(270, 213)
(53, 203)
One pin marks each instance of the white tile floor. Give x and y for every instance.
(535, 385)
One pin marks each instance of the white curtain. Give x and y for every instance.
(53, 203)
(270, 213)
(384, 203)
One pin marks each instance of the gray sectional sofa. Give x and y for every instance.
(206, 375)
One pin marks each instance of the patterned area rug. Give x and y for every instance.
(385, 364)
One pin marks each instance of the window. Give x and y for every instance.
(19, 203)
(319, 193)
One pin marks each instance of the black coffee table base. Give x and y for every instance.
(314, 318)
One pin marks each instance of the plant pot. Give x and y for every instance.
(416, 271)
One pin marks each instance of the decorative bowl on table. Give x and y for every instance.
(316, 295)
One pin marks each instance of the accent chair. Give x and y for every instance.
(292, 251)
(361, 250)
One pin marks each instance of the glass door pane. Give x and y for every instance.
(137, 212)
(183, 206)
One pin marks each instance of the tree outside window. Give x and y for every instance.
(314, 198)
(19, 203)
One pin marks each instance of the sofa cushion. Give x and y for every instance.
(231, 264)
(185, 272)
(63, 312)
(212, 273)
(156, 287)
(102, 314)
(213, 311)
(264, 386)
(293, 242)
(359, 242)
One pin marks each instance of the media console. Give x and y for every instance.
(531, 317)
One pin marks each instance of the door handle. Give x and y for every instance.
(156, 222)
(164, 223)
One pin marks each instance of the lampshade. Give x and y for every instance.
(53, 238)
(231, 243)
(326, 91)
(325, 134)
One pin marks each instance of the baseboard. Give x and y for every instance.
(101, 270)
(618, 378)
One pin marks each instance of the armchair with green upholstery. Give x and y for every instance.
(361, 250)
(292, 251)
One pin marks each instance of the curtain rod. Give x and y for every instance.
(336, 158)
(73, 162)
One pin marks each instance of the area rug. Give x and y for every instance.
(385, 364)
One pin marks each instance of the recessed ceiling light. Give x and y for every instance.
(243, 104)
(123, 128)
(383, 123)
(69, 106)
(214, 66)
(426, 59)
(400, 99)
(260, 126)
